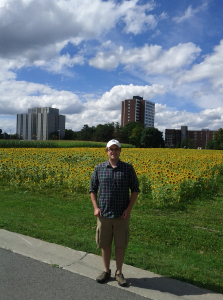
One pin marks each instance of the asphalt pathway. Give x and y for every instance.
(23, 278)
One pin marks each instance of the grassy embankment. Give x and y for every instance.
(185, 244)
(53, 144)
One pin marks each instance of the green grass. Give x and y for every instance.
(54, 144)
(185, 244)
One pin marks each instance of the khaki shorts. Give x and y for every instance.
(109, 227)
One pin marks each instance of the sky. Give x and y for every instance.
(86, 56)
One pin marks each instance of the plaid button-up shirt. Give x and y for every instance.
(113, 185)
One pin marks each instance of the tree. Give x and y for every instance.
(15, 136)
(54, 136)
(118, 132)
(127, 130)
(218, 139)
(191, 144)
(5, 136)
(152, 138)
(218, 136)
(103, 133)
(185, 142)
(86, 133)
(1, 135)
(178, 144)
(212, 145)
(70, 134)
(135, 137)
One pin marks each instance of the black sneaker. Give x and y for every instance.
(120, 278)
(104, 277)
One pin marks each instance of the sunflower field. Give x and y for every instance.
(171, 175)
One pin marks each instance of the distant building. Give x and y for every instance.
(200, 137)
(138, 110)
(40, 123)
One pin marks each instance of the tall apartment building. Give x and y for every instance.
(138, 110)
(39, 123)
(200, 137)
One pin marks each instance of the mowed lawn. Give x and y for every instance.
(184, 243)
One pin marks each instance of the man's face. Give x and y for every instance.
(113, 152)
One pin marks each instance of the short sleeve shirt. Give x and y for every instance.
(113, 185)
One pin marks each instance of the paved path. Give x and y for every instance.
(23, 278)
(34, 269)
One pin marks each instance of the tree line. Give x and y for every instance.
(186, 143)
(133, 133)
(217, 142)
(6, 135)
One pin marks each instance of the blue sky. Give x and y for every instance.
(86, 56)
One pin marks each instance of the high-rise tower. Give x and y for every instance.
(138, 110)
(39, 123)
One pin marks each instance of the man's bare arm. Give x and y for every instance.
(97, 211)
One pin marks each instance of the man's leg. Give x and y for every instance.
(121, 238)
(106, 256)
(104, 241)
(119, 256)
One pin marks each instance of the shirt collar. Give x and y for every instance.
(109, 165)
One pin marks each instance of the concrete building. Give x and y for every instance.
(39, 123)
(200, 137)
(138, 110)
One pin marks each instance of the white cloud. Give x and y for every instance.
(210, 68)
(39, 29)
(17, 96)
(8, 124)
(163, 16)
(135, 17)
(208, 118)
(7, 66)
(108, 60)
(112, 100)
(157, 33)
(173, 59)
(92, 118)
(36, 31)
(59, 64)
(190, 13)
(153, 59)
(159, 108)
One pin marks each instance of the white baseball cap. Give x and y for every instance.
(113, 142)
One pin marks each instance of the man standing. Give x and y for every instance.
(112, 180)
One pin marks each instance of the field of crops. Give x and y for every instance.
(171, 175)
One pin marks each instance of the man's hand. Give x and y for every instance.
(97, 212)
(126, 214)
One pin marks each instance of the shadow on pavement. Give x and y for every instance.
(165, 285)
